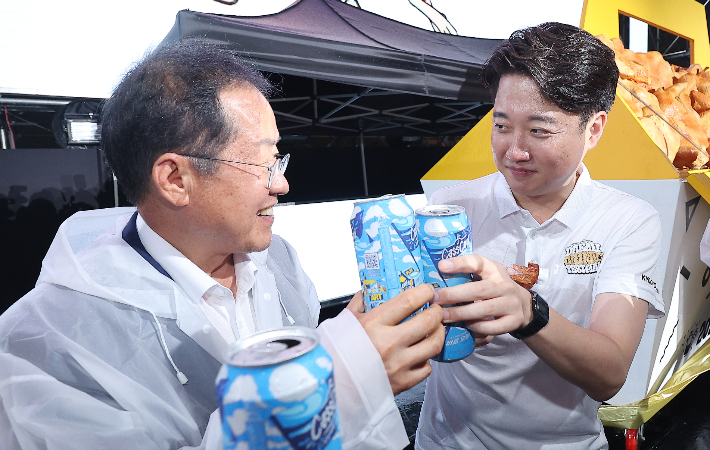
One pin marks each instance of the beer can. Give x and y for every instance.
(445, 232)
(276, 390)
(386, 248)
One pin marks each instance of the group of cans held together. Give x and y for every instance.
(398, 248)
(277, 388)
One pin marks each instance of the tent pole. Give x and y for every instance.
(315, 100)
(362, 157)
(115, 189)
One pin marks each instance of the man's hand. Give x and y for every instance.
(499, 305)
(405, 347)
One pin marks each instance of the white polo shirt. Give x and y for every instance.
(503, 395)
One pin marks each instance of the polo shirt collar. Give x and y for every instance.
(191, 279)
(578, 202)
(504, 197)
(570, 212)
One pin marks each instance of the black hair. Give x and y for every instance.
(169, 102)
(573, 69)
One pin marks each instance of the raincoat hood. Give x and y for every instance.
(89, 255)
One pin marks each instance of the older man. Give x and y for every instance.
(119, 344)
(546, 357)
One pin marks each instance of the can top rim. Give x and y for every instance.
(258, 350)
(439, 210)
(377, 199)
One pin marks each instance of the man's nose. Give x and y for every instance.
(517, 150)
(279, 185)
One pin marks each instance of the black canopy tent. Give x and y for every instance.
(350, 76)
(330, 40)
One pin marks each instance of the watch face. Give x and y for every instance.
(541, 315)
(541, 306)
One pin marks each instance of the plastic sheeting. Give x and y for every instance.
(633, 415)
(330, 40)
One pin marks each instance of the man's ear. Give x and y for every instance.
(173, 178)
(594, 130)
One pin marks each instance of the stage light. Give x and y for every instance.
(83, 129)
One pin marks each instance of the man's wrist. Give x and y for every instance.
(540, 317)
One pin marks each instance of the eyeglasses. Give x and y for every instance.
(279, 166)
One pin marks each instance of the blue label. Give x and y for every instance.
(286, 406)
(316, 432)
(459, 343)
(386, 248)
(443, 237)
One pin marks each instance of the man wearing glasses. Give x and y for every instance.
(119, 344)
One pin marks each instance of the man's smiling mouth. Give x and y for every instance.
(266, 212)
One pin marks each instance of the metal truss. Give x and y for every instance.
(373, 112)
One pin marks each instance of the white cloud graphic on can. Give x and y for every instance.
(373, 229)
(435, 275)
(238, 421)
(458, 225)
(398, 208)
(435, 228)
(242, 389)
(325, 363)
(374, 211)
(292, 383)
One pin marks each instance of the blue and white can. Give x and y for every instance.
(386, 248)
(277, 391)
(445, 232)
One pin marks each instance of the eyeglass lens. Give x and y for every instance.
(278, 166)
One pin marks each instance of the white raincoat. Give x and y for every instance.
(94, 356)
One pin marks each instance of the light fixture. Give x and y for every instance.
(82, 129)
(77, 124)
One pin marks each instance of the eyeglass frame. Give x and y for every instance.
(281, 162)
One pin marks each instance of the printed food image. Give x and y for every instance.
(524, 276)
(671, 102)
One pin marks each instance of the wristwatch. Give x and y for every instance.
(541, 315)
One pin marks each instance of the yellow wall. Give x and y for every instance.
(685, 18)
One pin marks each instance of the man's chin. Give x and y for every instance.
(262, 244)
(255, 245)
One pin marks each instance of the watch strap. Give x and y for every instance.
(541, 315)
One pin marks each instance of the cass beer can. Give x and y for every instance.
(445, 232)
(276, 391)
(386, 248)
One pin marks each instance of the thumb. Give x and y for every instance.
(357, 304)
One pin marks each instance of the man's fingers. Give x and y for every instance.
(465, 293)
(413, 377)
(422, 325)
(356, 304)
(413, 365)
(483, 340)
(470, 264)
(402, 306)
(499, 325)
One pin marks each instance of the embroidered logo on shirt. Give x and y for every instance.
(648, 280)
(583, 257)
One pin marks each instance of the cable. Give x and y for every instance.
(12, 135)
(31, 123)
